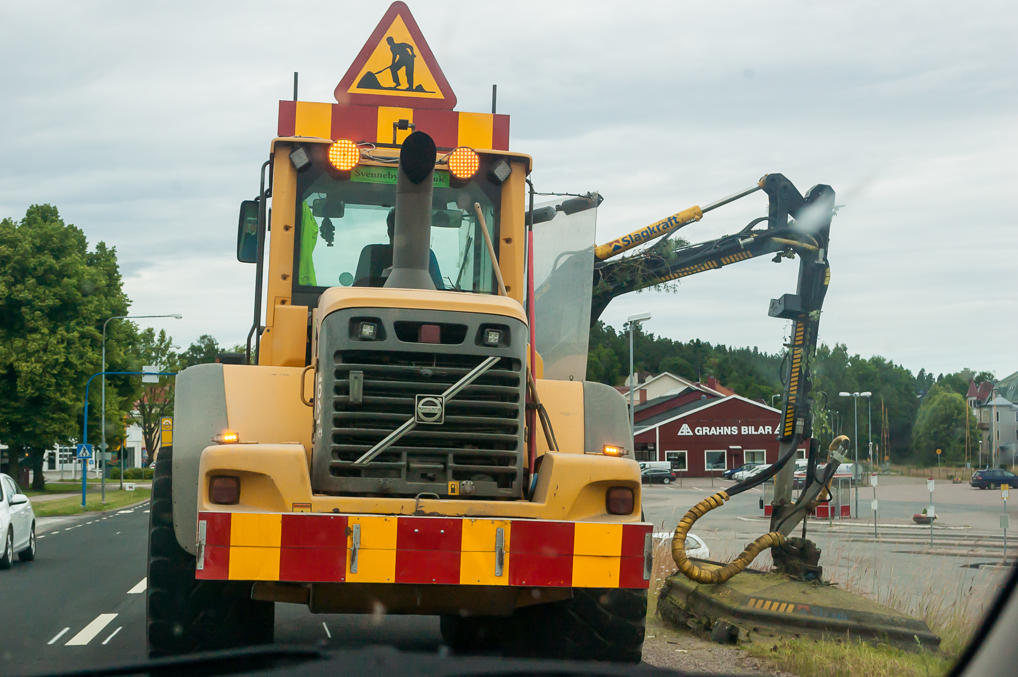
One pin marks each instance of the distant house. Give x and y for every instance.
(996, 416)
(653, 387)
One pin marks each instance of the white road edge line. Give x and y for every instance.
(58, 635)
(327, 633)
(139, 587)
(88, 633)
(114, 634)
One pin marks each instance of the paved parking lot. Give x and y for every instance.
(899, 566)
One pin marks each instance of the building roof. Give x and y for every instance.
(999, 401)
(1008, 387)
(979, 391)
(685, 383)
(661, 399)
(686, 410)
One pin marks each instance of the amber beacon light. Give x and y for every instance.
(463, 162)
(344, 155)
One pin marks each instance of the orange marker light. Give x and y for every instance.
(226, 437)
(344, 155)
(463, 162)
(612, 450)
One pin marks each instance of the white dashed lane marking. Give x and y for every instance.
(88, 633)
(58, 636)
(327, 633)
(139, 587)
(112, 635)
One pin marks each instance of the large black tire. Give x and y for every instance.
(601, 624)
(472, 633)
(184, 614)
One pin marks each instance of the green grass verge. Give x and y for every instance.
(828, 658)
(72, 505)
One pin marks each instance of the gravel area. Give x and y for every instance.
(666, 647)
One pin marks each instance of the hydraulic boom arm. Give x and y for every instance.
(795, 225)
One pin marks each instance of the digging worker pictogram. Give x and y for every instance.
(402, 57)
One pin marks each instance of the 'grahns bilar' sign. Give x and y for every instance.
(717, 430)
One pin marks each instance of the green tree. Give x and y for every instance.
(203, 349)
(54, 296)
(940, 424)
(156, 399)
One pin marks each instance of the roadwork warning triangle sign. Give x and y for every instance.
(396, 68)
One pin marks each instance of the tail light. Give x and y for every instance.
(224, 490)
(619, 501)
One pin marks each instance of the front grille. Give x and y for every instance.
(478, 447)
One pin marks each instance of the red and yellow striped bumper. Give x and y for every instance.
(327, 548)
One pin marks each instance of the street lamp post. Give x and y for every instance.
(632, 321)
(102, 481)
(855, 437)
(869, 431)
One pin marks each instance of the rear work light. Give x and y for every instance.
(463, 163)
(344, 155)
(224, 490)
(619, 501)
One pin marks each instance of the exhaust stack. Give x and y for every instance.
(411, 240)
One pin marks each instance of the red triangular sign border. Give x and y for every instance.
(448, 100)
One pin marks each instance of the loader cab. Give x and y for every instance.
(330, 226)
(345, 219)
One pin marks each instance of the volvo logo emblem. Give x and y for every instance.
(430, 409)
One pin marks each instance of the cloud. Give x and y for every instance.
(147, 125)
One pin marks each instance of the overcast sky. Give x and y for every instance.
(146, 125)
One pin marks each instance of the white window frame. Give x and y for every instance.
(761, 452)
(724, 459)
(800, 453)
(685, 459)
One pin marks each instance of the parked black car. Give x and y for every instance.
(651, 475)
(993, 478)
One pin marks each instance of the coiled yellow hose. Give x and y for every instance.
(701, 575)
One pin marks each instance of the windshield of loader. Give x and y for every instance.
(344, 227)
(563, 276)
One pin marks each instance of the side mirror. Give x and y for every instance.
(247, 232)
(18, 499)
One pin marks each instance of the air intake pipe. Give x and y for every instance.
(411, 240)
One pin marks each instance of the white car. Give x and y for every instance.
(17, 524)
(746, 474)
(695, 547)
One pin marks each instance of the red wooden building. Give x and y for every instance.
(703, 433)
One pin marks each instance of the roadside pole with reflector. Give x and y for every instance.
(1003, 518)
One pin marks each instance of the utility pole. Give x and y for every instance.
(855, 466)
(633, 320)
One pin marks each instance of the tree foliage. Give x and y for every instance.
(757, 375)
(156, 399)
(55, 294)
(940, 424)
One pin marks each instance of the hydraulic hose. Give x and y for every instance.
(701, 575)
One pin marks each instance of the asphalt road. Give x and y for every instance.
(81, 603)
